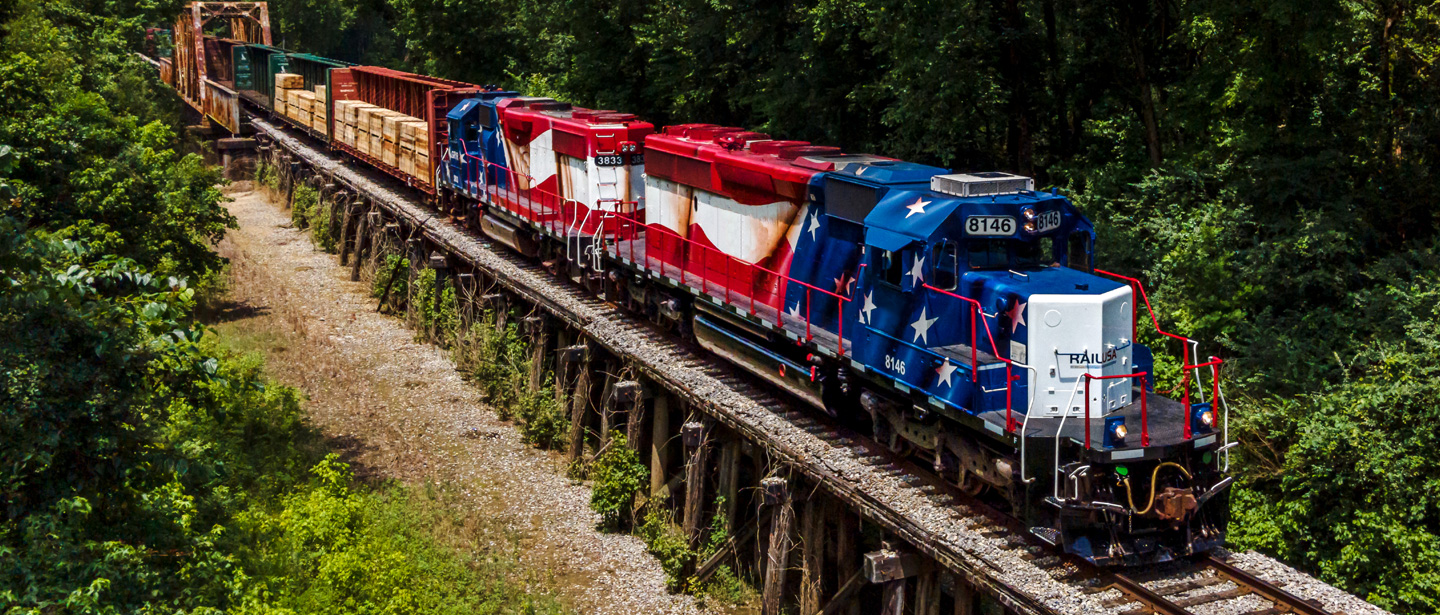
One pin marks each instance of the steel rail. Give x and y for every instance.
(1283, 600)
(1155, 602)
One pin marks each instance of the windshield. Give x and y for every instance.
(996, 253)
(988, 254)
(1037, 253)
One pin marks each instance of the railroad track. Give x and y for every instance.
(962, 533)
(1202, 586)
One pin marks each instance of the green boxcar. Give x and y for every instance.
(255, 68)
(316, 71)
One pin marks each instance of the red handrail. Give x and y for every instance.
(1185, 342)
(1144, 410)
(994, 350)
(1214, 362)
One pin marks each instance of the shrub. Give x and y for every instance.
(267, 176)
(618, 474)
(437, 317)
(543, 420)
(322, 223)
(304, 200)
(726, 587)
(392, 274)
(666, 541)
(500, 361)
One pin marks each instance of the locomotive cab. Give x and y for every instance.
(977, 299)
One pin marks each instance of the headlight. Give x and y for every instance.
(1028, 213)
(1029, 226)
(1202, 416)
(1115, 431)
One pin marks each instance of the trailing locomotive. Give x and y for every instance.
(958, 315)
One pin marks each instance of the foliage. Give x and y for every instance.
(324, 226)
(617, 473)
(141, 466)
(1367, 442)
(303, 203)
(392, 276)
(193, 492)
(724, 585)
(94, 159)
(437, 316)
(332, 548)
(500, 361)
(353, 31)
(95, 496)
(726, 588)
(267, 175)
(308, 210)
(666, 541)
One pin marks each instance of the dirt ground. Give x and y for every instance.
(401, 411)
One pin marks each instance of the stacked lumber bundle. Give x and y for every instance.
(307, 108)
(320, 114)
(395, 139)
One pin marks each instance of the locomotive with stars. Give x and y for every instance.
(958, 317)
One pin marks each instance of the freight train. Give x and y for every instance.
(957, 316)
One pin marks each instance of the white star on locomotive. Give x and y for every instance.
(1017, 315)
(869, 307)
(944, 371)
(918, 207)
(794, 312)
(917, 270)
(814, 225)
(922, 327)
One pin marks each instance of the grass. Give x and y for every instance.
(321, 541)
(338, 548)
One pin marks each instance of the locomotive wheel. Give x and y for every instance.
(886, 434)
(969, 485)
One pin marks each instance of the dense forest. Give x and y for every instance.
(1267, 167)
(145, 466)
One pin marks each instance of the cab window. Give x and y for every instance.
(892, 267)
(946, 258)
(1038, 253)
(988, 254)
(1078, 251)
